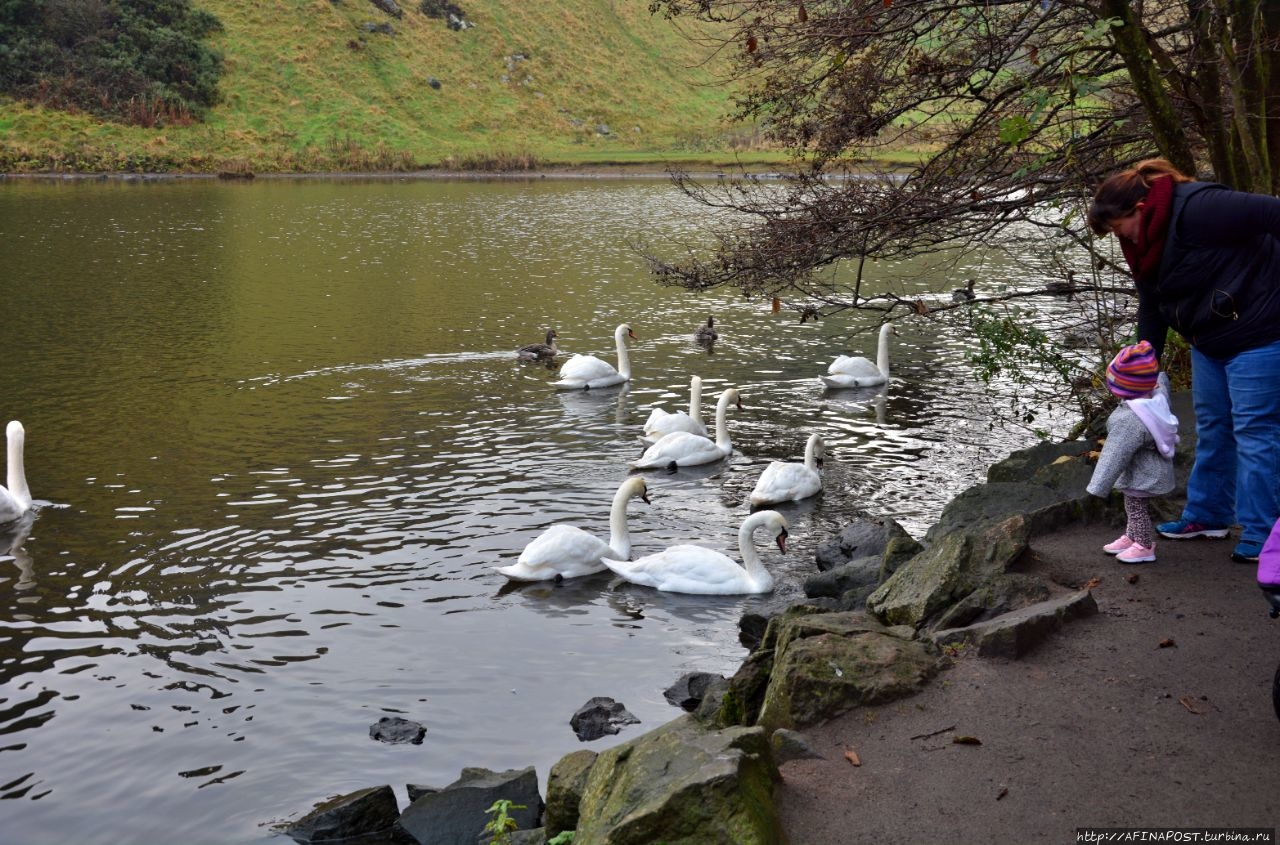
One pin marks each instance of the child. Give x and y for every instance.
(1269, 569)
(1137, 458)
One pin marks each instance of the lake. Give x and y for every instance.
(280, 440)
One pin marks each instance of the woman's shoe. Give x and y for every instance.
(1184, 529)
(1118, 545)
(1137, 553)
(1246, 551)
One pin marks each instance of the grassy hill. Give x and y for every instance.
(320, 85)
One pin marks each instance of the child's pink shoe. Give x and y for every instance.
(1115, 547)
(1137, 553)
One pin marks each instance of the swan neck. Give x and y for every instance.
(695, 399)
(624, 361)
(747, 545)
(17, 475)
(722, 421)
(882, 351)
(619, 537)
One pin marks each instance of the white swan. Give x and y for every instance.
(16, 499)
(686, 449)
(697, 569)
(565, 551)
(791, 482)
(661, 422)
(856, 371)
(540, 351)
(583, 372)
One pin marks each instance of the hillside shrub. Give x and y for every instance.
(134, 61)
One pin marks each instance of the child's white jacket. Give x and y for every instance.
(1137, 458)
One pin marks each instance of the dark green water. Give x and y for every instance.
(281, 440)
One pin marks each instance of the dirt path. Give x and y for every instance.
(1155, 712)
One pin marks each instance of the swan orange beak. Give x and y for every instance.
(782, 541)
(631, 334)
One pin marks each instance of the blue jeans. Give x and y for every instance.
(1236, 475)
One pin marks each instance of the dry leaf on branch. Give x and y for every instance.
(852, 757)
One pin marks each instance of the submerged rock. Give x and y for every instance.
(688, 692)
(363, 814)
(600, 716)
(393, 730)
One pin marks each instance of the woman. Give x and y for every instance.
(1206, 262)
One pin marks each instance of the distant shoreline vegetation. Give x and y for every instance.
(140, 62)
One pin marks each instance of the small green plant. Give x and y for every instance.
(953, 649)
(501, 824)
(564, 837)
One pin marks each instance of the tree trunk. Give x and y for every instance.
(1166, 123)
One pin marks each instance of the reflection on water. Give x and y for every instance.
(288, 441)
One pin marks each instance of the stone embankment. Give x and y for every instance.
(882, 617)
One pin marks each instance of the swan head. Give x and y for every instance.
(777, 523)
(817, 447)
(14, 429)
(731, 397)
(624, 331)
(637, 487)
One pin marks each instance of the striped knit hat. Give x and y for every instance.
(1132, 373)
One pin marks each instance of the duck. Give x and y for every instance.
(856, 371)
(686, 449)
(540, 351)
(584, 372)
(706, 334)
(15, 499)
(661, 422)
(784, 481)
(566, 551)
(688, 568)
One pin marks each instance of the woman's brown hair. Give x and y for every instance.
(1120, 194)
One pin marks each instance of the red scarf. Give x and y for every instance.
(1144, 254)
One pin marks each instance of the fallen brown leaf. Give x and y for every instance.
(1132, 579)
(966, 740)
(1091, 583)
(1168, 642)
(1004, 790)
(852, 757)
(1186, 702)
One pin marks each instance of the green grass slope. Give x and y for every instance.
(307, 87)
